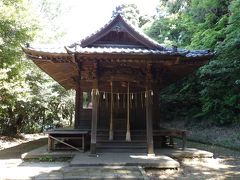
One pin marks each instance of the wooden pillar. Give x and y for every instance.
(95, 98)
(128, 135)
(156, 116)
(149, 110)
(111, 114)
(78, 104)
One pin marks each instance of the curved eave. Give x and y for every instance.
(44, 55)
(58, 66)
(119, 55)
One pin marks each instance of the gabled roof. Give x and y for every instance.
(119, 24)
(118, 41)
(90, 45)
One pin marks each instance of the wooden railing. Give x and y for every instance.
(62, 135)
(163, 132)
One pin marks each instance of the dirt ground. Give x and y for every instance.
(7, 142)
(224, 165)
(12, 148)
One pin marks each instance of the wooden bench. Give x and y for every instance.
(61, 135)
(172, 133)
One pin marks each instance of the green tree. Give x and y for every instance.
(29, 99)
(16, 27)
(49, 14)
(212, 94)
(132, 14)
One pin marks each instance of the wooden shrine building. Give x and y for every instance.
(117, 73)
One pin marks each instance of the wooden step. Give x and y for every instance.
(121, 138)
(122, 133)
(120, 146)
(122, 141)
(103, 135)
(128, 150)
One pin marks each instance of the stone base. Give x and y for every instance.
(125, 159)
(93, 148)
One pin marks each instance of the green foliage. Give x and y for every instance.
(46, 159)
(29, 100)
(132, 14)
(212, 94)
(49, 14)
(49, 159)
(170, 31)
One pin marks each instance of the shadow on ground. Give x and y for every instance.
(16, 151)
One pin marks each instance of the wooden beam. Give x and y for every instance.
(156, 113)
(95, 98)
(78, 104)
(111, 114)
(148, 101)
(128, 134)
(150, 148)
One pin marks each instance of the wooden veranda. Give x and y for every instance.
(118, 73)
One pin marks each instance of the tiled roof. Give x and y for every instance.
(135, 29)
(197, 53)
(138, 51)
(153, 47)
(117, 50)
(47, 48)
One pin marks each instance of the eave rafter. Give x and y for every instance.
(48, 56)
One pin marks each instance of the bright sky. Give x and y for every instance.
(86, 16)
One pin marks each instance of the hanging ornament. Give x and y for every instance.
(132, 96)
(151, 93)
(145, 95)
(104, 95)
(130, 101)
(118, 99)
